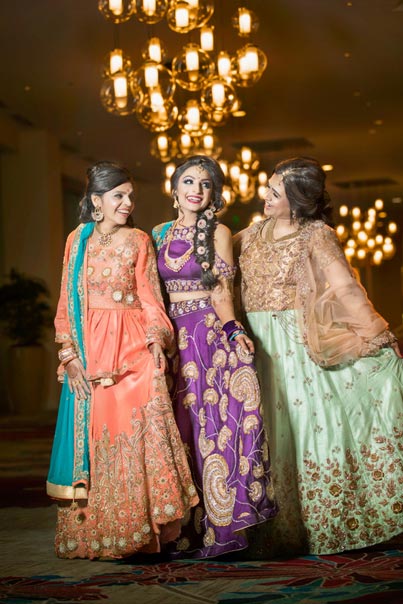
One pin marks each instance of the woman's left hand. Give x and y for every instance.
(159, 356)
(246, 343)
(396, 348)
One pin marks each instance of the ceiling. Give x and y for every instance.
(333, 87)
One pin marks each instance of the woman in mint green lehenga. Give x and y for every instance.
(331, 376)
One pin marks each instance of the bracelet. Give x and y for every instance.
(232, 326)
(235, 334)
(66, 355)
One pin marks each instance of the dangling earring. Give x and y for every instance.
(176, 203)
(293, 215)
(97, 214)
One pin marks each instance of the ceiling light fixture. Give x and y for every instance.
(156, 91)
(365, 235)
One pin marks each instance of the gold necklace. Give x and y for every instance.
(105, 239)
(175, 264)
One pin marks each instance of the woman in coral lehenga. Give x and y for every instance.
(118, 465)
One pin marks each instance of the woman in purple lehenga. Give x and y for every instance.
(216, 394)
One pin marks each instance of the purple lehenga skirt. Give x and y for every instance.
(217, 406)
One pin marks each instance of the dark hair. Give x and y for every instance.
(206, 222)
(304, 184)
(101, 178)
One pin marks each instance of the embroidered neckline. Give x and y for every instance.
(269, 237)
(176, 264)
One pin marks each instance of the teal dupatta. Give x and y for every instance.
(70, 461)
(159, 233)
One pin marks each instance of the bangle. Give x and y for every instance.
(232, 326)
(235, 334)
(66, 355)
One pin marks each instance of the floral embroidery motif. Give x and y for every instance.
(219, 500)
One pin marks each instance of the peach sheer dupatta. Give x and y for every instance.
(338, 322)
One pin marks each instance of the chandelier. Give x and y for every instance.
(155, 90)
(365, 235)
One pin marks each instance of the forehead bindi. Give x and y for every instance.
(126, 188)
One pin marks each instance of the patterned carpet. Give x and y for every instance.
(30, 572)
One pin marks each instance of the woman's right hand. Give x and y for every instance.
(76, 378)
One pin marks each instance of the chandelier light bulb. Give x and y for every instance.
(170, 169)
(349, 252)
(149, 7)
(249, 62)
(115, 61)
(371, 243)
(377, 257)
(224, 166)
(182, 17)
(361, 253)
(262, 178)
(343, 210)
(392, 227)
(207, 38)
(356, 212)
(234, 172)
(217, 99)
(224, 64)
(261, 191)
(193, 116)
(153, 51)
(356, 225)
(379, 239)
(208, 142)
(157, 101)
(378, 204)
(167, 186)
(368, 225)
(218, 94)
(388, 249)
(371, 213)
(246, 157)
(192, 67)
(120, 89)
(150, 11)
(116, 7)
(117, 11)
(185, 141)
(340, 230)
(362, 236)
(162, 142)
(351, 243)
(226, 193)
(151, 76)
(243, 183)
(192, 61)
(245, 22)
(249, 65)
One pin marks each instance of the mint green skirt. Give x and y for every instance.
(336, 444)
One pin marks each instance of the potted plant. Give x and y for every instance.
(25, 315)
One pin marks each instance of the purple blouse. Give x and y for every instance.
(188, 278)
